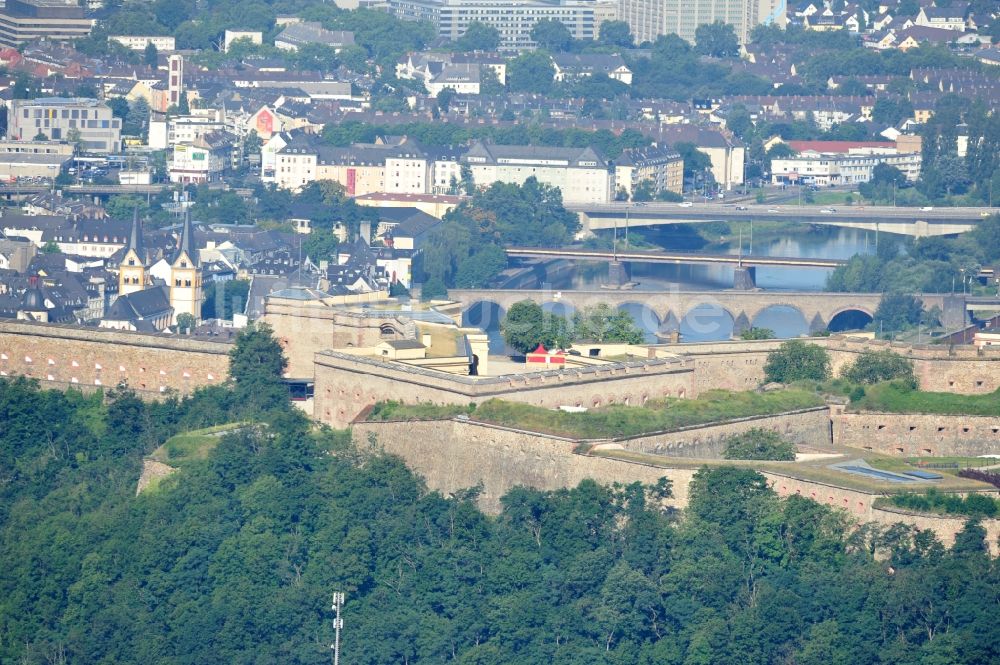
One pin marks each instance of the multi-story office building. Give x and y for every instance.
(59, 118)
(514, 19)
(24, 20)
(649, 19)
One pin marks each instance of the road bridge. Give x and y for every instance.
(664, 256)
(19, 190)
(659, 310)
(904, 221)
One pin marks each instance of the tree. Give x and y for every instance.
(601, 323)
(616, 33)
(876, 366)
(757, 333)
(643, 191)
(531, 71)
(716, 39)
(185, 322)
(50, 248)
(150, 57)
(796, 360)
(552, 35)
(183, 105)
(897, 311)
(758, 443)
(489, 82)
(257, 367)
(527, 325)
(444, 99)
(478, 37)
(695, 161)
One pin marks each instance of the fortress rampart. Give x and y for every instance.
(458, 454)
(739, 365)
(67, 356)
(346, 384)
(807, 426)
(914, 435)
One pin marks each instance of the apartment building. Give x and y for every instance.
(56, 118)
(513, 19)
(581, 174)
(167, 131)
(140, 42)
(815, 168)
(363, 168)
(648, 19)
(661, 167)
(203, 160)
(26, 20)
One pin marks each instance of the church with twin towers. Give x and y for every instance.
(155, 292)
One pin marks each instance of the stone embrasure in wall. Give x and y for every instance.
(808, 426)
(151, 364)
(918, 434)
(346, 384)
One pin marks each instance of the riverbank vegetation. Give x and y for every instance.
(924, 265)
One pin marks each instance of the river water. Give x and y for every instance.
(708, 322)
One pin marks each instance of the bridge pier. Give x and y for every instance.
(954, 314)
(745, 278)
(817, 324)
(619, 273)
(741, 324)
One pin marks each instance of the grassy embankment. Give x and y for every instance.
(893, 398)
(189, 446)
(615, 420)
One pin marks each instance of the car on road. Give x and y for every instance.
(742, 208)
(828, 211)
(685, 204)
(927, 208)
(773, 210)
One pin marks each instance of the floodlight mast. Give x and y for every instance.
(338, 623)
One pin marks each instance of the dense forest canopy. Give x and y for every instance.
(233, 558)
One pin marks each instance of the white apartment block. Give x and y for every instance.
(513, 19)
(814, 168)
(140, 42)
(648, 19)
(581, 174)
(166, 132)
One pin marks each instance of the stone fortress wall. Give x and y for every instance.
(457, 454)
(739, 365)
(347, 384)
(916, 435)
(151, 364)
(810, 427)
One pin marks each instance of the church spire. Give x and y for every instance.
(135, 242)
(184, 246)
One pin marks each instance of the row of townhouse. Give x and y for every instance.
(397, 165)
